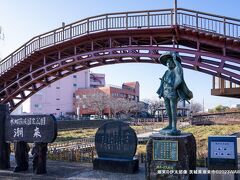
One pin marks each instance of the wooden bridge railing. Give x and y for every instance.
(220, 25)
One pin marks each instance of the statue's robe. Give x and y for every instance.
(182, 90)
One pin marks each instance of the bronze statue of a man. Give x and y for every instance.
(173, 88)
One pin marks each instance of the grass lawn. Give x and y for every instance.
(201, 134)
(68, 135)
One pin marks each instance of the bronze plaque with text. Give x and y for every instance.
(165, 150)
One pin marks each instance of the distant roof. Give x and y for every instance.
(131, 84)
(178, 108)
(96, 74)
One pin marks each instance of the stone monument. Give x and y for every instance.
(116, 145)
(171, 153)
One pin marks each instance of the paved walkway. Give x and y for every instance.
(66, 170)
(79, 171)
(59, 170)
(147, 134)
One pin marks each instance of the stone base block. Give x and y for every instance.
(170, 154)
(116, 165)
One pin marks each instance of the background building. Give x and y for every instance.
(129, 91)
(57, 98)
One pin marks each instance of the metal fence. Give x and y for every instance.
(81, 155)
(86, 154)
(79, 143)
(82, 150)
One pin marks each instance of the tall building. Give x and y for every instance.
(57, 98)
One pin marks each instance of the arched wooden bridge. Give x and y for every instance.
(206, 42)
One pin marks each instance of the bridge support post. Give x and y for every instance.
(4, 147)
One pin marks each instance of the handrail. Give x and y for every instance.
(220, 25)
(209, 14)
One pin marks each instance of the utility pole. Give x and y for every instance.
(1, 34)
(203, 105)
(2, 37)
(175, 12)
(174, 23)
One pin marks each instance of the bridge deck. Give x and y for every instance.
(225, 88)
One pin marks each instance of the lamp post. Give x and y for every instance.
(78, 112)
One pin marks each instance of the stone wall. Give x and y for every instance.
(217, 118)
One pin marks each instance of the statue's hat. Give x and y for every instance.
(164, 57)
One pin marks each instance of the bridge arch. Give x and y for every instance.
(56, 54)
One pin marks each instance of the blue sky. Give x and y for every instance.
(23, 19)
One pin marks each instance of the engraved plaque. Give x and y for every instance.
(116, 140)
(165, 150)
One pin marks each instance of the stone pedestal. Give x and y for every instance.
(166, 155)
(116, 165)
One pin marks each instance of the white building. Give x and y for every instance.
(57, 98)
